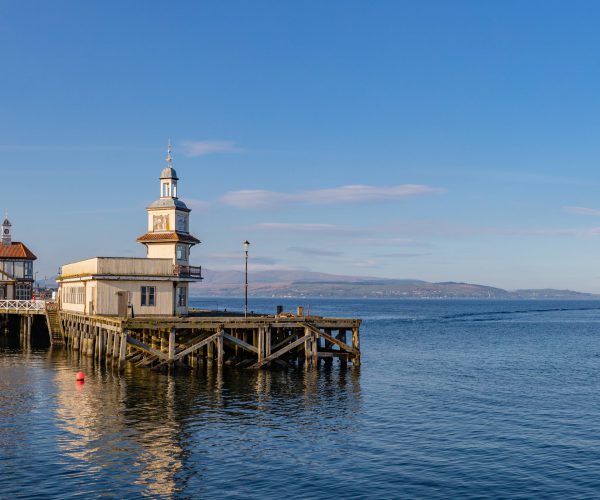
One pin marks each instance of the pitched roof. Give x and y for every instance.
(168, 237)
(16, 250)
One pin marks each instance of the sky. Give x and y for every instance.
(434, 140)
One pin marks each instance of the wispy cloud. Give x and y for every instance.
(305, 228)
(582, 211)
(314, 252)
(198, 205)
(584, 231)
(392, 242)
(192, 149)
(237, 257)
(400, 255)
(260, 198)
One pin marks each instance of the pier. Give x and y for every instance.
(25, 312)
(259, 341)
(256, 341)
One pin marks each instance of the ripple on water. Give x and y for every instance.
(445, 405)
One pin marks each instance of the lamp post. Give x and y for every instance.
(246, 247)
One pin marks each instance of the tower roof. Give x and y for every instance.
(169, 173)
(169, 203)
(168, 237)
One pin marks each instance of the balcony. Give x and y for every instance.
(194, 272)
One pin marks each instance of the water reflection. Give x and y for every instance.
(159, 433)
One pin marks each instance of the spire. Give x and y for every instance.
(169, 157)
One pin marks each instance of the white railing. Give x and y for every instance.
(23, 305)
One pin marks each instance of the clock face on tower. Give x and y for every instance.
(6, 231)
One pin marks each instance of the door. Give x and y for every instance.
(2, 292)
(122, 303)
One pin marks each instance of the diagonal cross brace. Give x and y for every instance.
(241, 343)
(140, 345)
(331, 339)
(281, 351)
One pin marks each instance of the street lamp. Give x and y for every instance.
(246, 247)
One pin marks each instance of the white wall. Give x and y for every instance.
(107, 299)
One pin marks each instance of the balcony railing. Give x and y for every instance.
(22, 305)
(194, 272)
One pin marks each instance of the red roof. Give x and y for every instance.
(16, 250)
(168, 237)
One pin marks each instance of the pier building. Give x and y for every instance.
(121, 309)
(157, 285)
(16, 266)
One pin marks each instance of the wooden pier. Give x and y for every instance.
(25, 312)
(258, 341)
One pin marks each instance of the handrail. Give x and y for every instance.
(187, 271)
(23, 305)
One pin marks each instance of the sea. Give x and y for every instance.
(454, 399)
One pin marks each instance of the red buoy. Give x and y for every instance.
(80, 377)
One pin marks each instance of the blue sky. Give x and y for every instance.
(430, 140)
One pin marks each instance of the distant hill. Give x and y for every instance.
(311, 284)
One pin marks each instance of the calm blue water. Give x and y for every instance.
(464, 399)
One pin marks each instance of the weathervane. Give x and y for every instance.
(169, 157)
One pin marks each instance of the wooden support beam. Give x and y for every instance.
(356, 346)
(220, 349)
(123, 349)
(240, 343)
(281, 352)
(199, 345)
(171, 343)
(333, 340)
(140, 345)
(284, 342)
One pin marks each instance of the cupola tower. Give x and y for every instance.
(168, 233)
(6, 232)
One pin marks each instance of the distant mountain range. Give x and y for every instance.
(311, 284)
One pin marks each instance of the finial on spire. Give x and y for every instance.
(169, 157)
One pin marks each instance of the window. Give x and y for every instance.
(73, 294)
(18, 271)
(148, 296)
(166, 189)
(181, 252)
(28, 269)
(181, 296)
(23, 291)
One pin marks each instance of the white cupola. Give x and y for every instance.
(168, 178)
(6, 232)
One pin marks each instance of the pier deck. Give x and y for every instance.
(256, 341)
